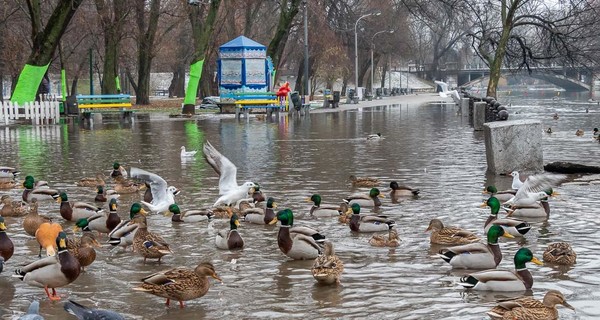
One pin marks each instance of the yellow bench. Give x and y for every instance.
(247, 104)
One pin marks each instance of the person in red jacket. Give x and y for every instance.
(283, 91)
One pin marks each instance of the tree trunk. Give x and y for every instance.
(201, 32)
(112, 25)
(498, 59)
(177, 86)
(74, 85)
(43, 45)
(147, 34)
(286, 17)
(384, 71)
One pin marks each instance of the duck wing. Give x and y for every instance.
(226, 170)
(158, 185)
(537, 183)
(167, 277)
(471, 248)
(38, 264)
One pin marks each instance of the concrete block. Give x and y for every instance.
(479, 109)
(514, 145)
(464, 107)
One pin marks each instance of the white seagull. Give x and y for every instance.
(162, 195)
(229, 190)
(187, 154)
(532, 190)
(445, 93)
(516, 183)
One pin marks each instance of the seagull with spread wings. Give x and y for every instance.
(229, 190)
(162, 195)
(534, 189)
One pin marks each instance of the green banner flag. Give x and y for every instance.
(192, 87)
(28, 83)
(63, 84)
(118, 84)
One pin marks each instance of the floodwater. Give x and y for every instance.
(428, 146)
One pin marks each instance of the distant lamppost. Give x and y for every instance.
(373, 49)
(356, 47)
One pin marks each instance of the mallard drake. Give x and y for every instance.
(402, 191)
(298, 243)
(12, 208)
(365, 182)
(560, 253)
(102, 222)
(7, 248)
(181, 284)
(53, 271)
(33, 220)
(46, 235)
(229, 190)
(530, 309)
(366, 200)
(537, 210)
(122, 234)
(79, 210)
(83, 248)
(449, 235)
(103, 195)
(118, 171)
(324, 210)
(504, 280)
(162, 195)
(514, 227)
(125, 186)
(503, 196)
(392, 240)
(477, 255)
(189, 216)
(6, 183)
(549, 130)
(230, 239)
(368, 223)
(8, 172)
(92, 182)
(260, 216)
(327, 268)
(38, 193)
(83, 312)
(257, 195)
(149, 245)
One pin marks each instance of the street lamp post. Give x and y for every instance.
(356, 47)
(372, 50)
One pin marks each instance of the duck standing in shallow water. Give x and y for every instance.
(122, 234)
(7, 247)
(79, 210)
(53, 271)
(148, 244)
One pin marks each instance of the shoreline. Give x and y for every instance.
(403, 99)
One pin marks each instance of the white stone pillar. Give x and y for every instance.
(514, 145)
(479, 115)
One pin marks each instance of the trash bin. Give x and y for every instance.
(296, 100)
(335, 103)
(327, 98)
(72, 105)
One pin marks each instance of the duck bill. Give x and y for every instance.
(216, 277)
(274, 205)
(144, 212)
(237, 223)
(307, 200)
(537, 261)
(508, 235)
(381, 195)
(59, 200)
(567, 305)
(428, 229)
(76, 229)
(2, 226)
(349, 211)
(554, 193)
(483, 205)
(62, 243)
(274, 221)
(167, 213)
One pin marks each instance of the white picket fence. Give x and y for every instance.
(39, 112)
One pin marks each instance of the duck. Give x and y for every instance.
(103, 195)
(7, 183)
(125, 186)
(529, 308)
(102, 222)
(449, 235)
(189, 216)
(230, 239)
(187, 154)
(536, 210)
(298, 243)
(162, 195)
(327, 268)
(12, 208)
(368, 223)
(229, 190)
(92, 182)
(148, 244)
(366, 200)
(477, 255)
(83, 249)
(324, 211)
(53, 271)
(122, 235)
(79, 210)
(549, 130)
(374, 136)
(257, 195)
(503, 196)
(516, 228)
(33, 220)
(8, 172)
(504, 280)
(366, 182)
(392, 240)
(83, 312)
(402, 191)
(118, 171)
(555, 116)
(181, 284)
(579, 133)
(46, 235)
(260, 216)
(148, 192)
(7, 248)
(560, 253)
(40, 194)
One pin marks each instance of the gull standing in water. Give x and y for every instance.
(187, 154)
(229, 190)
(162, 195)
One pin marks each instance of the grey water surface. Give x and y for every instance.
(428, 147)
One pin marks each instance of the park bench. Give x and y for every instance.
(102, 103)
(245, 102)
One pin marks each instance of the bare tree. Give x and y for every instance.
(112, 14)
